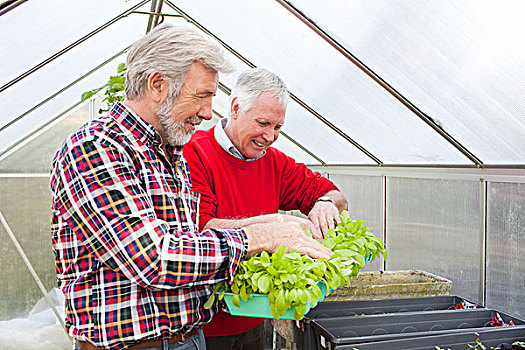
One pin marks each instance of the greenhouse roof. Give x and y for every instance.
(419, 83)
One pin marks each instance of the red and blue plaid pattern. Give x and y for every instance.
(129, 257)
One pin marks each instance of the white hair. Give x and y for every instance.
(251, 83)
(171, 51)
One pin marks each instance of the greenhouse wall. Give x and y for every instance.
(460, 224)
(25, 203)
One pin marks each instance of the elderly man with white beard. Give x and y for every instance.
(130, 259)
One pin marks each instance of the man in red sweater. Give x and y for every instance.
(244, 181)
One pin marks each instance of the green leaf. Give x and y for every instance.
(273, 311)
(255, 277)
(265, 257)
(272, 270)
(121, 67)
(236, 301)
(264, 284)
(116, 80)
(311, 296)
(329, 242)
(317, 292)
(299, 312)
(243, 294)
(302, 296)
(360, 260)
(280, 252)
(209, 303)
(87, 95)
(280, 303)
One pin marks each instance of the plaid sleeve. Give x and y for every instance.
(102, 199)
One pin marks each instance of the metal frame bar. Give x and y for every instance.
(71, 46)
(7, 6)
(384, 212)
(502, 174)
(154, 13)
(91, 108)
(227, 91)
(24, 175)
(158, 10)
(347, 54)
(152, 10)
(443, 166)
(293, 97)
(483, 196)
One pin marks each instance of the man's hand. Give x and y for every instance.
(323, 215)
(304, 223)
(270, 236)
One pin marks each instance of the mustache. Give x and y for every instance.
(194, 120)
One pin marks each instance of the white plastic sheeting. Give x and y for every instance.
(39, 330)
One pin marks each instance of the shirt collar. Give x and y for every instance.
(138, 127)
(224, 141)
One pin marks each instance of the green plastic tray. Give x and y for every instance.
(259, 305)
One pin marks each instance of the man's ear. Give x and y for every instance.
(234, 108)
(157, 87)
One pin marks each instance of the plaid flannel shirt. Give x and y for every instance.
(129, 257)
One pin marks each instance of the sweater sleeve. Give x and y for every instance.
(202, 181)
(300, 186)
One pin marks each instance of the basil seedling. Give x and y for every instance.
(292, 279)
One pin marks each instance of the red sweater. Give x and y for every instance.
(232, 188)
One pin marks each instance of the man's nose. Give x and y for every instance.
(268, 136)
(205, 110)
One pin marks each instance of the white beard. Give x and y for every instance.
(175, 132)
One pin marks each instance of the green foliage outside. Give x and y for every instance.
(114, 89)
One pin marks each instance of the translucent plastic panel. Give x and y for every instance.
(506, 247)
(284, 145)
(36, 30)
(461, 62)
(364, 203)
(300, 124)
(48, 80)
(434, 226)
(37, 155)
(25, 204)
(32, 121)
(324, 79)
(327, 145)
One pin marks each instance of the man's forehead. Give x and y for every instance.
(207, 82)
